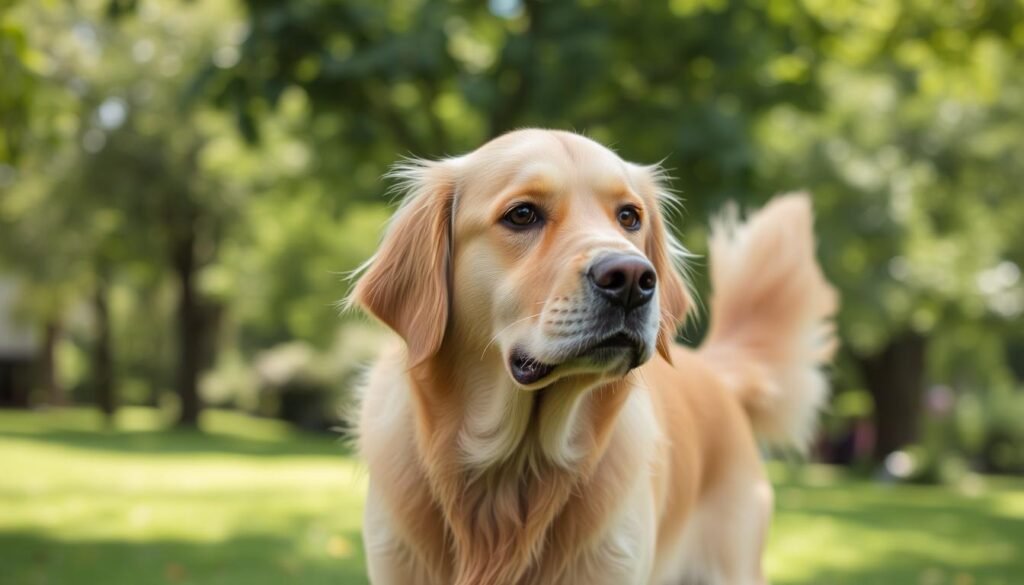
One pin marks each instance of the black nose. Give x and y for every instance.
(624, 279)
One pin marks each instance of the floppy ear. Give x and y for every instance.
(405, 284)
(663, 250)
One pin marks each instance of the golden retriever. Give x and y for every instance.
(539, 425)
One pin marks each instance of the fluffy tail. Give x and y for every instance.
(771, 306)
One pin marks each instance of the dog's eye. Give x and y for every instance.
(522, 215)
(629, 217)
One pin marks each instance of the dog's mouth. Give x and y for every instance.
(528, 370)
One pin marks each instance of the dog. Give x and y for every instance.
(538, 424)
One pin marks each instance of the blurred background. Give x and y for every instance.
(185, 183)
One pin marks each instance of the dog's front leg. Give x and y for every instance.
(624, 554)
(389, 560)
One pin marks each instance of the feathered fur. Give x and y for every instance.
(771, 306)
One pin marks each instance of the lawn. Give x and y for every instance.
(252, 502)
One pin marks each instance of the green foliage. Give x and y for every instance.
(263, 128)
(16, 89)
(900, 118)
(913, 167)
(129, 174)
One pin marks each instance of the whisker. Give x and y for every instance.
(503, 329)
(637, 372)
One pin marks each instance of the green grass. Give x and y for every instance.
(252, 502)
(247, 503)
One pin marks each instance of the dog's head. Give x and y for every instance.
(542, 248)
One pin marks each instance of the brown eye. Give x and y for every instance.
(521, 216)
(629, 218)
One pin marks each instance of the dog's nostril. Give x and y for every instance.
(648, 280)
(612, 279)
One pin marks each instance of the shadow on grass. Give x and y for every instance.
(143, 430)
(174, 442)
(31, 558)
(907, 569)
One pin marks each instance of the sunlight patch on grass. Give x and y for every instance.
(859, 532)
(1009, 504)
(256, 503)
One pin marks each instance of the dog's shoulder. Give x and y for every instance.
(382, 397)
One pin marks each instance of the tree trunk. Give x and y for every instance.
(103, 362)
(895, 379)
(190, 330)
(48, 379)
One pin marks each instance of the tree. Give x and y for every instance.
(867, 106)
(233, 153)
(129, 189)
(917, 183)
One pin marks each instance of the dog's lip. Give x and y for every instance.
(616, 343)
(528, 370)
(618, 340)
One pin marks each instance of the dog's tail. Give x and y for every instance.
(771, 309)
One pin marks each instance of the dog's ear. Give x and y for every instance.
(663, 250)
(406, 283)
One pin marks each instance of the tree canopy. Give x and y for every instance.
(216, 165)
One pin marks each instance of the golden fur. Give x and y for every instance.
(592, 475)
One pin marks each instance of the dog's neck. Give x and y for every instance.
(506, 426)
(502, 463)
